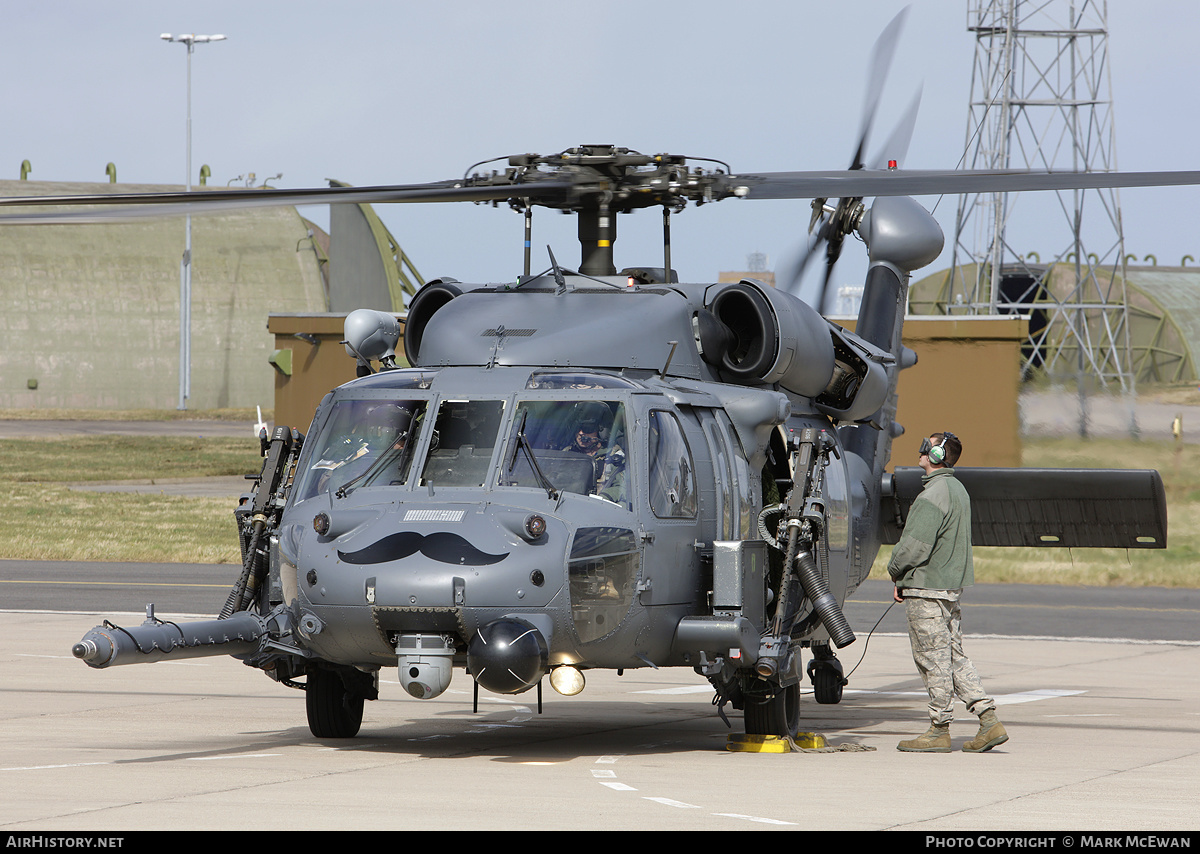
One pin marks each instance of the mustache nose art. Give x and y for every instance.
(441, 546)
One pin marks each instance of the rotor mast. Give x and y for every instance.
(606, 181)
(597, 234)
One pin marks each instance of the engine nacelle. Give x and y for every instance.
(775, 338)
(428, 300)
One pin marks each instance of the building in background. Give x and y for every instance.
(91, 312)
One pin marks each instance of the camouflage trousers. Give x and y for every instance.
(935, 629)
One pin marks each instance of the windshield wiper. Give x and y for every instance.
(388, 456)
(521, 442)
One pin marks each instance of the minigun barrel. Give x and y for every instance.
(156, 640)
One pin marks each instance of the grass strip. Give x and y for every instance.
(50, 521)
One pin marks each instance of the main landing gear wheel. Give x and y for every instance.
(771, 710)
(333, 711)
(827, 679)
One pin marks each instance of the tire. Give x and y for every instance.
(827, 686)
(771, 710)
(333, 712)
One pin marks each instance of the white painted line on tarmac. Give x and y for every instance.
(606, 777)
(754, 818)
(233, 756)
(668, 802)
(1032, 696)
(52, 767)
(1121, 641)
(682, 689)
(1060, 639)
(1001, 699)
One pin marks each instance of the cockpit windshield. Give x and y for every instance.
(464, 437)
(570, 446)
(361, 440)
(561, 446)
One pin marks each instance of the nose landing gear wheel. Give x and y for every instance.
(333, 711)
(773, 710)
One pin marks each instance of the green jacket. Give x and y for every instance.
(934, 551)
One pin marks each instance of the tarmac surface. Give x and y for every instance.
(1104, 737)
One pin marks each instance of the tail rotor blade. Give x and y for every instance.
(792, 285)
(881, 61)
(896, 147)
(832, 252)
(834, 226)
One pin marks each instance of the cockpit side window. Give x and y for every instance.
(569, 445)
(672, 471)
(360, 440)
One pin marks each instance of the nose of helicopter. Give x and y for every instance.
(406, 557)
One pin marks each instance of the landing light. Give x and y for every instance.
(567, 680)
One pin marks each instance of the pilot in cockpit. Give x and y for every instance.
(595, 437)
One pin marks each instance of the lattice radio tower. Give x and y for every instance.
(1041, 98)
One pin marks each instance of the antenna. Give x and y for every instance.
(1041, 99)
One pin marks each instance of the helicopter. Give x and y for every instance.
(603, 468)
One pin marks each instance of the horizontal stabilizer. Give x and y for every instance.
(1072, 508)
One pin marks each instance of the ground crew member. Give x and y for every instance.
(930, 566)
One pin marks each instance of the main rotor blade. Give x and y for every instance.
(934, 182)
(570, 192)
(132, 207)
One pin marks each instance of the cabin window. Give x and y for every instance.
(672, 472)
(464, 437)
(570, 446)
(602, 574)
(360, 441)
(722, 479)
(742, 481)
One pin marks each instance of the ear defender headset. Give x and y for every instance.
(936, 453)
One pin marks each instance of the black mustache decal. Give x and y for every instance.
(441, 546)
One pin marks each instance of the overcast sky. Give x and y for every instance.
(401, 92)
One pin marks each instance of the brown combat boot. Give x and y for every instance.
(935, 740)
(991, 732)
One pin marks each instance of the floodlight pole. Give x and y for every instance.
(185, 266)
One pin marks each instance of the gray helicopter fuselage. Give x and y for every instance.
(434, 540)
